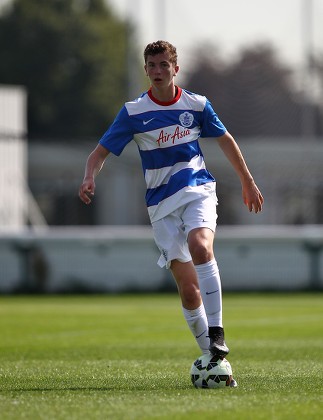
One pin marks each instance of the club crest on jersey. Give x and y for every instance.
(186, 119)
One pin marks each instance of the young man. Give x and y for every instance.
(166, 123)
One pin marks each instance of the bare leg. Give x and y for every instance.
(193, 308)
(187, 284)
(200, 242)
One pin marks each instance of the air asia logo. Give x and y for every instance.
(179, 133)
(186, 119)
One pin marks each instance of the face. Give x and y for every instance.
(161, 70)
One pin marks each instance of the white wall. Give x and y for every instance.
(116, 259)
(13, 157)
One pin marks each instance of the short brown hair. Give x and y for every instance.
(160, 47)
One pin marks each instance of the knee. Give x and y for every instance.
(201, 252)
(200, 244)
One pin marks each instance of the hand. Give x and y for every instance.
(86, 191)
(252, 197)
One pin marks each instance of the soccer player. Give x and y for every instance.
(166, 123)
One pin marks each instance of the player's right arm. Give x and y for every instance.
(93, 166)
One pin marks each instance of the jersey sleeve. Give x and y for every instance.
(212, 126)
(119, 134)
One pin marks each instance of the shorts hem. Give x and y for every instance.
(163, 263)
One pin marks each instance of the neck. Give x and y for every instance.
(164, 95)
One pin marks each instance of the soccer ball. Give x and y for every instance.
(211, 372)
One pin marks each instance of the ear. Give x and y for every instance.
(176, 68)
(145, 67)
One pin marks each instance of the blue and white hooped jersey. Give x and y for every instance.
(167, 138)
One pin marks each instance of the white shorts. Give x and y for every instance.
(170, 233)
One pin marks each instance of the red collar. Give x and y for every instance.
(173, 101)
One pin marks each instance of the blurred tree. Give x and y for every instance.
(254, 94)
(71, 56)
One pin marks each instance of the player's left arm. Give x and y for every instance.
(251, 194)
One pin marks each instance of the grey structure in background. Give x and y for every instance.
(288, 171)
(124, 259)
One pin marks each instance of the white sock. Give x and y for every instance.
(211, 293)
(197, 322)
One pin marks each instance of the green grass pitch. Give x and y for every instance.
(129, 356)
